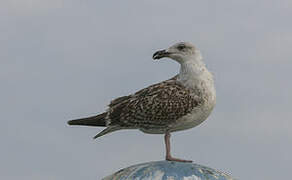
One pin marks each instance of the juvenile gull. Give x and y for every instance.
(179, 103)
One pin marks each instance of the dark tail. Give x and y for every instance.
(98, 120)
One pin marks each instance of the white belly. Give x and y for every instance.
(196, 117)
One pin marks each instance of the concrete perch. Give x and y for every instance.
(167, 170)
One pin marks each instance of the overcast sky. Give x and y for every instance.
(65, 59)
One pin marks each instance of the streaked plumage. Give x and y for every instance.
(179, 103)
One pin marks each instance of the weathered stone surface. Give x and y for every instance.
(166, 170)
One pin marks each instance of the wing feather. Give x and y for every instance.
(155, 106)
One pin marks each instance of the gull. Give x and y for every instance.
(179, 103)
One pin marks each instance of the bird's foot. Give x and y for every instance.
(169, 158)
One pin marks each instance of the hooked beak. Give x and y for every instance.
(160, 54)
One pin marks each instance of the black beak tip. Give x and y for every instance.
(159, 54)
(156, 56)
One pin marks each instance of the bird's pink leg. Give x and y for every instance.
(167, 146)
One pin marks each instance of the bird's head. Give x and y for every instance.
(180, 52)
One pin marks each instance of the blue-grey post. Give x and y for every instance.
(168, 170)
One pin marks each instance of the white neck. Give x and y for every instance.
(193, 74)
(192, 68)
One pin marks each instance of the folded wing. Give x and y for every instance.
(156, 106)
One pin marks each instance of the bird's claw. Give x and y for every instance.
(169, 158)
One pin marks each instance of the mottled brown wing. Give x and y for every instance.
(155, 106)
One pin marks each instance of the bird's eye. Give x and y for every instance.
(181, 47)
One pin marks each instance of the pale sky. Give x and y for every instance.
(67, 59)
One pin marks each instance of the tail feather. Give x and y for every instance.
(108, 130)
(98, 120)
